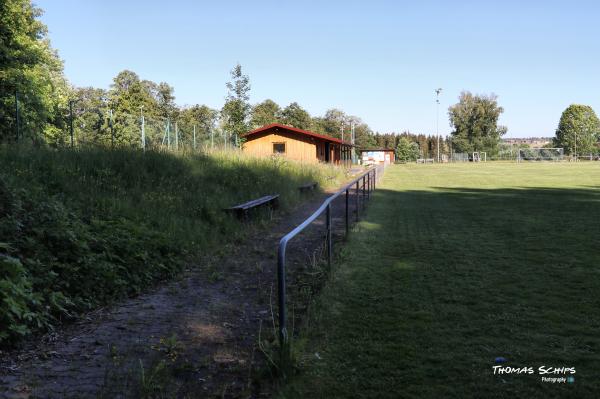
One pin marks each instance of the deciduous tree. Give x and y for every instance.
(475, 122)
(265, 113)
(32, 69)
(296, 116)
(407, 150)
(578, 130)
(236, 111)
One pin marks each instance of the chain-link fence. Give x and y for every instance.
(96, 127)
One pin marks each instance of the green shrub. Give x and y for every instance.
(19, 306)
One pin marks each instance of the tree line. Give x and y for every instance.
(37, 104)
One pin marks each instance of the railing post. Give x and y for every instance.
(356, 199)
(347, 221)
(363, 191)
(368, 184)
(283, 336)
(374, 178)
(329, 236)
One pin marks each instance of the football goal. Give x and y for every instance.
(540, 154)
(479, 156)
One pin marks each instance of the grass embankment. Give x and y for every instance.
(81, 228)
(454, 266)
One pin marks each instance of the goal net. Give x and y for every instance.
(540, 154)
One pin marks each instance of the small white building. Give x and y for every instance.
(372, 156)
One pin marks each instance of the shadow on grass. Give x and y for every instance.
(435, 285)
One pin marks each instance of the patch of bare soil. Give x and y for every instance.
(194, 337)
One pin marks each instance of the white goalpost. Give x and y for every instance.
(479, 156)
(540, 154)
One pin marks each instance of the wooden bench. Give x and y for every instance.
(241, 210)
(307, 187)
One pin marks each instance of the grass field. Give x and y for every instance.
(454, 266)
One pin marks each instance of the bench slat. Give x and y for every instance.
(255, 203)
(308, 186)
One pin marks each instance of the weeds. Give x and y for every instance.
(82, 228)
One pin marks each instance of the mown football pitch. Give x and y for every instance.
(453, 267)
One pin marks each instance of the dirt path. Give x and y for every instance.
(194, 337)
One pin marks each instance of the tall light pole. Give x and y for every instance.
(353, 141)
(437, 123)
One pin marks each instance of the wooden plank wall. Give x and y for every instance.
(297, 147)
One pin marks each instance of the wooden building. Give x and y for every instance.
(297, 144)
(371, 156)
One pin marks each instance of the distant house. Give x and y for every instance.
(370, 156)
(297, 144)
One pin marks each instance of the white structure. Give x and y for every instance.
(540, 154)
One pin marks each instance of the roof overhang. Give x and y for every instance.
(376, 149)
(279, 126)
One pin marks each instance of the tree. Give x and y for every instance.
(165, 101)
(32, 69)
(578, 130)
(203, 118)
(296, 116)
(125, 98)
(475, 122)
(265, 113)
(331, 123)
(90, 111)
(407, 150)
(236, 111)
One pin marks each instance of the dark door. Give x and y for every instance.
(327, 152)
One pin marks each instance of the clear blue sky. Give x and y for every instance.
(380, 60)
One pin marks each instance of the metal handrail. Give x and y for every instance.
(368, 185)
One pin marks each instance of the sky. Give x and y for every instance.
(379, 60)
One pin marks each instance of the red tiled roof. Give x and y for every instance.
(296, 130)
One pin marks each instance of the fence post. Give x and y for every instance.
(369, 185)
(71, 122)
(375, 178)
(143, 129)
(347, 221)
(356, 198)
(329, 236)
(194, 137)
(112, 130)
(363, 191)
(283, 338)
(17, 121)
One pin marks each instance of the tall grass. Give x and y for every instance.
(83, 227)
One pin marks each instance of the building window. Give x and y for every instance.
(278, 148)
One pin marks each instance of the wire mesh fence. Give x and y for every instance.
(113, 129)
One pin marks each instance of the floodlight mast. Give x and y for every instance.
(437, 123)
